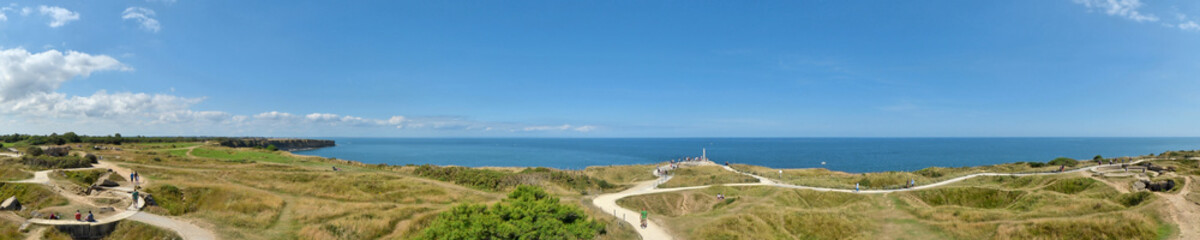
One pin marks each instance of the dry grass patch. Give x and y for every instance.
(137, 230)
(12, 172)
(622, 174)
(705, 175)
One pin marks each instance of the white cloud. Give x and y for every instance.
(28, 84)
(25, 73)
(11, 7)
(25, 11)
(59, 16)
(144, 16)
(398, 121)
(28, 93)
(1189, 25)
(168, 2)
(273, 115)
(1124, 8)
(564, 127)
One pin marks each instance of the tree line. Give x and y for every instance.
(71, 137)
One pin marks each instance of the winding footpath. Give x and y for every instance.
(653, 231)
(186, 230)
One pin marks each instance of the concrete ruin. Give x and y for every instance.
(11, 204)
(1159, 186)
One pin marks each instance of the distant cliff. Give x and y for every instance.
(286, 144)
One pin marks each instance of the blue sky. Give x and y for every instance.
(602, 68)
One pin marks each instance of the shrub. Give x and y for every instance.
(528, 213)
(48, 162)
(83, 178)
(497, 180)
(34, 151)
(1070, 162)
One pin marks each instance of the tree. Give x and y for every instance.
(34, 151)
(1098, 158)
(528, 213)
(272, 148)
(71, 137)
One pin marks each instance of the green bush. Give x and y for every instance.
(1069, 162)
(48, 162)
(84, 178)
(528, 213)
(34, 151)
(497, 180)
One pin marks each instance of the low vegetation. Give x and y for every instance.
(12, 172)
(621, 174)
(83, 178)
(495, 180)
(32, 196)
(137, 230)
(230, 154)
(819, 177)
(528, 213)
(48, 162)
(705, 175)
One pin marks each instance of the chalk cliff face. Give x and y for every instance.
(286, 144)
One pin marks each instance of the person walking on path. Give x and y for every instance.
(135, 193)
(645, 215)
(855, 187)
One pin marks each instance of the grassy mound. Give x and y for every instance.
(974, 197)
(496, 180)
(1072, 185)
(48, 162)
(705, 175)
(672, 203)
(83, 178)
(137, 230)
(10, 230)
(12, 172)
(1108, 226)
(32, 196)
(622, 174)
(234, 206)
(785, 225)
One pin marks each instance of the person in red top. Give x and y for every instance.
(78, 217)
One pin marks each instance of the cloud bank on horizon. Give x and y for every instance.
(30, 80)
(101, 67)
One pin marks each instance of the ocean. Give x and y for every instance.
(841, 154)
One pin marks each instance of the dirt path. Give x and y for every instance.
(39, 177)
(190, 149)
(1185, 213)
(185, 229)
(121, 171)
(608, 202)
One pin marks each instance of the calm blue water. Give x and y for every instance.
(843, 154)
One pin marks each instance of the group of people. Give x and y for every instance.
(135, 177)
(720, 196)
(78, 216)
